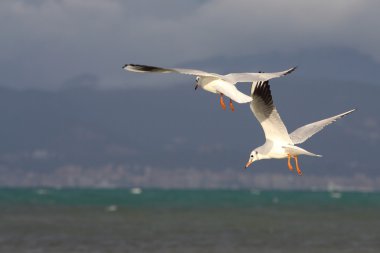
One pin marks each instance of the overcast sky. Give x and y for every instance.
(50, 43)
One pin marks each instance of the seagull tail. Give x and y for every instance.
(294, 150)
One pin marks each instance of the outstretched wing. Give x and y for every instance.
(266, 113)
(305, 132)
(253, 77)
(152, 69)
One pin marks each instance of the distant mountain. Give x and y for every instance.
(183, 128)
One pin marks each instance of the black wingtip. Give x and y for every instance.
(125, 65)
(262, 90)
(144, 68)
(291, 70)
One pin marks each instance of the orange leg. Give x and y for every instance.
(289, 163)
(297, 167)
(231, 105)
(222, 102)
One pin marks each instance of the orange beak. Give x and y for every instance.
(248, 163)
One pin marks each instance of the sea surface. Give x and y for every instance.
(188, 221)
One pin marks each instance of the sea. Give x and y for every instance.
(39, 220)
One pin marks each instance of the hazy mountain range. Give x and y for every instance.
(177, 127)
(181, 127)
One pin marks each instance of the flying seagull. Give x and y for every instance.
(279, 143)
(215, 83)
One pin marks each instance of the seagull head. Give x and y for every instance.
(254, 156)
(197, 82)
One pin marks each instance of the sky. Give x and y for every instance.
(49, 44)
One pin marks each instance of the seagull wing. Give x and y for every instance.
(266, 113)
(303, 133)
(232, 92)
(253, 77)
(145, 68)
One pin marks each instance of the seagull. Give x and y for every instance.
(279, 143)
(215, 83)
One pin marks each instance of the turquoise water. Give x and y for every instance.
(89, 220)
(191, 198)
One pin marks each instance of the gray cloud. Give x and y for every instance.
(47, 43)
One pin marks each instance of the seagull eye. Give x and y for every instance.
(251, 155)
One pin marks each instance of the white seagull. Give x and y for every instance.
(279, 143)
(215, 83)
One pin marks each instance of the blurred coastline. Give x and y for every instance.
(110, 176)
